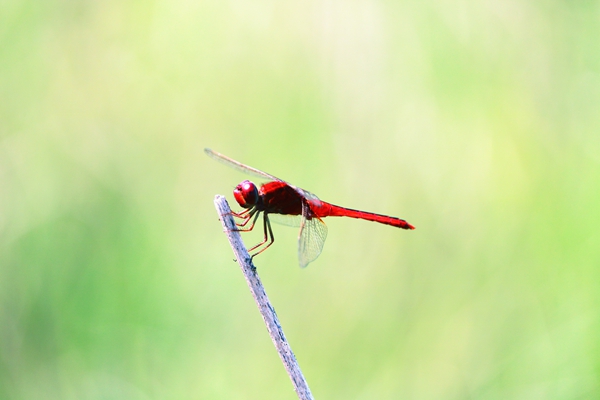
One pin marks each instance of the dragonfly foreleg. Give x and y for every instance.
(242, 214)
(241, 227)
(245, 216)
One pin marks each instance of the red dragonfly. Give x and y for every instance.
(287, 202)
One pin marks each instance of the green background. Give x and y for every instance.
(478, 122)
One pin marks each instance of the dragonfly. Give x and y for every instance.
(289, 205)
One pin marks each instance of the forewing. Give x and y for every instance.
(313, 233)
(306, 194)
(239, 166)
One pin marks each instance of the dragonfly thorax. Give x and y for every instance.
(246, 194)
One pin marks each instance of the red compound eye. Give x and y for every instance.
(246, 194)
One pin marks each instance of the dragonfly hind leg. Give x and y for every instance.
(268, 237)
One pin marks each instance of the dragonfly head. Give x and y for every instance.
(246, 194)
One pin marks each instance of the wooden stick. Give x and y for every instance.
(260, 296)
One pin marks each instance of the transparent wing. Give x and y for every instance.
(285, 219)
(308, 195)
(239, 166)
(313, 233)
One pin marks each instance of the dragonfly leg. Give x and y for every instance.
(241, 226)
(268, 237)
(243, 215)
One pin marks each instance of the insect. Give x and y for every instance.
(290, 205)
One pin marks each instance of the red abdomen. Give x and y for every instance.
(323, 209)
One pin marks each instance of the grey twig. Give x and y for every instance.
(260, 296)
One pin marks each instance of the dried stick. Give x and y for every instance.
(260, 296)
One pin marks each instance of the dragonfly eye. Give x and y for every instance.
(246, 194)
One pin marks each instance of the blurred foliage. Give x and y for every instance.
(476, 121)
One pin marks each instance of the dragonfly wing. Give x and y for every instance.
(287, 220)
(306, 194)
(313, 233)
(239, 166)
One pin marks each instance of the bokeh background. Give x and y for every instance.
(477, 121)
